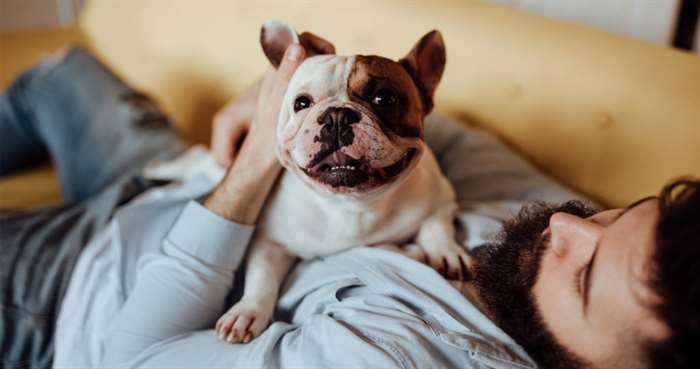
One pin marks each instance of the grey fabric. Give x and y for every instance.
(490, 180)
(100, 134)
(482, 169)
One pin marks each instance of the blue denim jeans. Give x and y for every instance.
(100, 134)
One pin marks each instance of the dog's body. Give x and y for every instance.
(357, 169)
(308, 224)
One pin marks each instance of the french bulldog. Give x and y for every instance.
(357, 171)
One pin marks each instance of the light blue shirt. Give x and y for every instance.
(172, 264)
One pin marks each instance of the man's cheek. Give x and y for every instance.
(561, 308)
(556, 296)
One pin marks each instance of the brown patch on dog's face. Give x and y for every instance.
(383, 86)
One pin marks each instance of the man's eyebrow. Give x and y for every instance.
(589, 272)
(634, 205)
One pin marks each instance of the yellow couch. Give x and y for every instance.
(608, 115)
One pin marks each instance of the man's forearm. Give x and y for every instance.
(183, 288)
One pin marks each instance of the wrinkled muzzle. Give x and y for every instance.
(346, 149)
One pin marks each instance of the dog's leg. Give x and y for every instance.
(268, 265)
(437, 238)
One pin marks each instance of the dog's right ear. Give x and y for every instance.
(276, 36)
(426, 63)
(316, 45)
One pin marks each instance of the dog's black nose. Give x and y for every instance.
(337, 130)
(339, 116)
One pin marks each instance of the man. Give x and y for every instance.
(563, 287)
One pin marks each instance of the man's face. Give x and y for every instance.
(577, 295)
(593, 288)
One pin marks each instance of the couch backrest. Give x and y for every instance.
(610, 116)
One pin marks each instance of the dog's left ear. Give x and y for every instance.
(276, 36)
(425, 63)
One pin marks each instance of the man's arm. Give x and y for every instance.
(183, 289)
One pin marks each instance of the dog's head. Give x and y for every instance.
(353, 125)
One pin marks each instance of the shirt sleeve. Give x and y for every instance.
(181, 289)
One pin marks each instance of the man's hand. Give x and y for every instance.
(242, 193)
(231, 124)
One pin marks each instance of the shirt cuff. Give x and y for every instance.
(209, 237)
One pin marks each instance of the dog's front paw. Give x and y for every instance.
(450, 259)
(244, 321)
(410, 250)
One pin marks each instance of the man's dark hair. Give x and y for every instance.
(676, 276)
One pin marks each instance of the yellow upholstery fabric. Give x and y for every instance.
(610, 116)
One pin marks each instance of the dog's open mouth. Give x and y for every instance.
(341, 170)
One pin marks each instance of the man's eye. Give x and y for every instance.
(579, 279)
(302, 102)
(384, 97)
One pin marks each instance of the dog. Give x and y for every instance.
(357, 171)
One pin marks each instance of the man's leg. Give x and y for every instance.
(20, 146)
(100, 134)
(96, 128)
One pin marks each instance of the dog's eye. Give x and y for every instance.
(302, 102)
(384, 97)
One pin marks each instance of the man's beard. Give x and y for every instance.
(505, 273)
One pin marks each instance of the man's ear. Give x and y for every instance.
(276, 36)
(425, 63)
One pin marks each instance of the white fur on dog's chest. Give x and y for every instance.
(309, 224)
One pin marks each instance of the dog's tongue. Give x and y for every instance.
(338, 158)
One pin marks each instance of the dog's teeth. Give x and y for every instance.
(347, 167)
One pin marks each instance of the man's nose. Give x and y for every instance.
(340, 116)
(571, 236)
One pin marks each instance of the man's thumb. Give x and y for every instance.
(293, 56)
